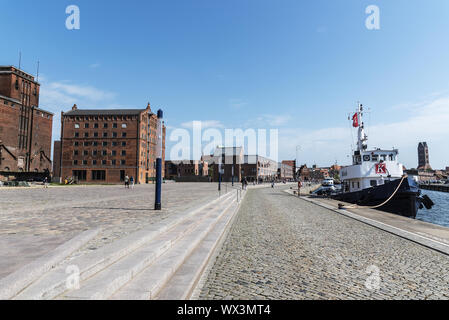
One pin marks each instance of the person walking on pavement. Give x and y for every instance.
(126, 181)
(299, 187)
(131, 180)
(46, 182)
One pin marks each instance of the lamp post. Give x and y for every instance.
(297, 163)
(219, 177)
(157, 202)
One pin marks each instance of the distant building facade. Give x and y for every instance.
(317, 174)
(259, 169)
(423, 156)
(185, 168)
(229, 159)
(25, 129)
(235, 165)
(291, 163)
(285, 171)
(104, 146)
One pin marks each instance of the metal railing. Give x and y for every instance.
(237, 189)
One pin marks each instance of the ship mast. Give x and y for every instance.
(362, 137)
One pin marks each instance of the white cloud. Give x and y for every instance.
(94, 65)
(62, 95)
(77, 91)
(427, 122)
(204, 124)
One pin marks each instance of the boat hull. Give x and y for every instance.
(405, 202)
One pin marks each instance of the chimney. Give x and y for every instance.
(74, 107)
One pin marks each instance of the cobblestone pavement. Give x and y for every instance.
(35, 221)
(281, 247)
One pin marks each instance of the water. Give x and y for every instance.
(439, 214)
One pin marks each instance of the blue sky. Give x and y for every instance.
(297, 66)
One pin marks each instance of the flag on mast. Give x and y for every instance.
(355, 120)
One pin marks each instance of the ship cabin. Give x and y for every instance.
(370, 169)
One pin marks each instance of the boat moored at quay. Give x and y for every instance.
(376, 179)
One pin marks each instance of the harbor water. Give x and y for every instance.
(439, 214)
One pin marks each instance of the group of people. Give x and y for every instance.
(129, 181)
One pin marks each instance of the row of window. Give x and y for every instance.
(376, 157)
(95, 153)
(95, 135)
(102, 162)
(95, 143)
(96, 125)
(96, 174)
(6, 102)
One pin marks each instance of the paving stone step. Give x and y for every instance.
(182, 283)
(103, 284)
(147, 284)
(53, 283)
(14, 283)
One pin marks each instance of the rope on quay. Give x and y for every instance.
(342, 206)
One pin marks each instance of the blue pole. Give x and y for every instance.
(219, 177)
(157, 203)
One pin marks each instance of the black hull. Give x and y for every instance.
(405, 203)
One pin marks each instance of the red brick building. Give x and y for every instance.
(104, 146)
(25, 129)
(292, 164)
(185, 168)
(285, 171)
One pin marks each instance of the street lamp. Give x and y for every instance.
(298, 147)
(157, 202)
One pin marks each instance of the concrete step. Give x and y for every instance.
(16, 282)
(53, 283)
(182, 283)
(147, 284)
(106, 282)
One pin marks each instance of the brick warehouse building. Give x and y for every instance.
(25, 129)
(103, 146)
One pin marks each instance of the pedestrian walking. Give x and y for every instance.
(46, 182)
(131, 180)
(299, 187)
(126, 181)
